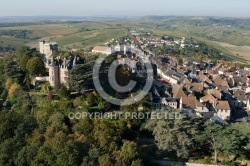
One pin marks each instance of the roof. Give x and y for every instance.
(219, 81)
(183, 81)
(222, 105)
(212, 72)
(215, 93)
(208, 98)
(238, 93)
(198, 87)
(178, 92)
(191, 102)
(101, 48)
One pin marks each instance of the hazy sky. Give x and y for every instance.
(234, 8)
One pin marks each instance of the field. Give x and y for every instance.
(239, 51)
(230, 36)
(68, 35)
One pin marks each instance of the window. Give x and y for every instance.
(52, 73)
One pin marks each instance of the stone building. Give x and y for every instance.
(59, 68)
(47, 48)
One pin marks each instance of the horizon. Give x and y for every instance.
(223, 8)
(35, 18)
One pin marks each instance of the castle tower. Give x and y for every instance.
(48, 48)
(53, 73)
(41, 46)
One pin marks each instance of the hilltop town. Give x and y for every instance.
(52, 112)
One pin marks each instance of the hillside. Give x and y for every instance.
(86, 34)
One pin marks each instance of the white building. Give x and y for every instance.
(102, 50)
(223, 109)
(47, 48)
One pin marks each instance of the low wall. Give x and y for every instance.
(174, 163)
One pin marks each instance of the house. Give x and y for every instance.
(177, 92)
(247, 89)
(102, 50)
(122, 49)
(190, 103)
(239, 99)
(172, 76)
(211, 72)
(223, 109)
(194, 87)
(217, 94)
(169, 102)
(219, 82)
(222, 71)
(236, 81)
(162, 102)
(208, 99)
(184, 81)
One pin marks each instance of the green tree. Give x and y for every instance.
(12, 71)
(35, 66)
(176, 135)
(129, 150)
(23, 62)
(80, 77)
(224, 140)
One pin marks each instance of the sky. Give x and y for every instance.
(227, 8)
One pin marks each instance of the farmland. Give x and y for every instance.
(239, 51)
(68, 35)
(230, 36)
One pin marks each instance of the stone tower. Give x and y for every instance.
(47, 48)
(41, 46)
(53, 73)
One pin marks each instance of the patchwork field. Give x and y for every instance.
(239, 51)
(232, 41)
(68, 35)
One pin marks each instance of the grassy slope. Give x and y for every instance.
(88, 39)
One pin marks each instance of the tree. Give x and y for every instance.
(12, 71)
(176, 135)
(105, 160)
(23, 62)
(14, 87)
(137, 162)
(53, 153)
(122, 75)
(224, 140)
(35, 66)
(8, 84)
(62, 91)
(129, 150)
(80, 77)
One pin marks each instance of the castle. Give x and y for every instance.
(58, 68)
